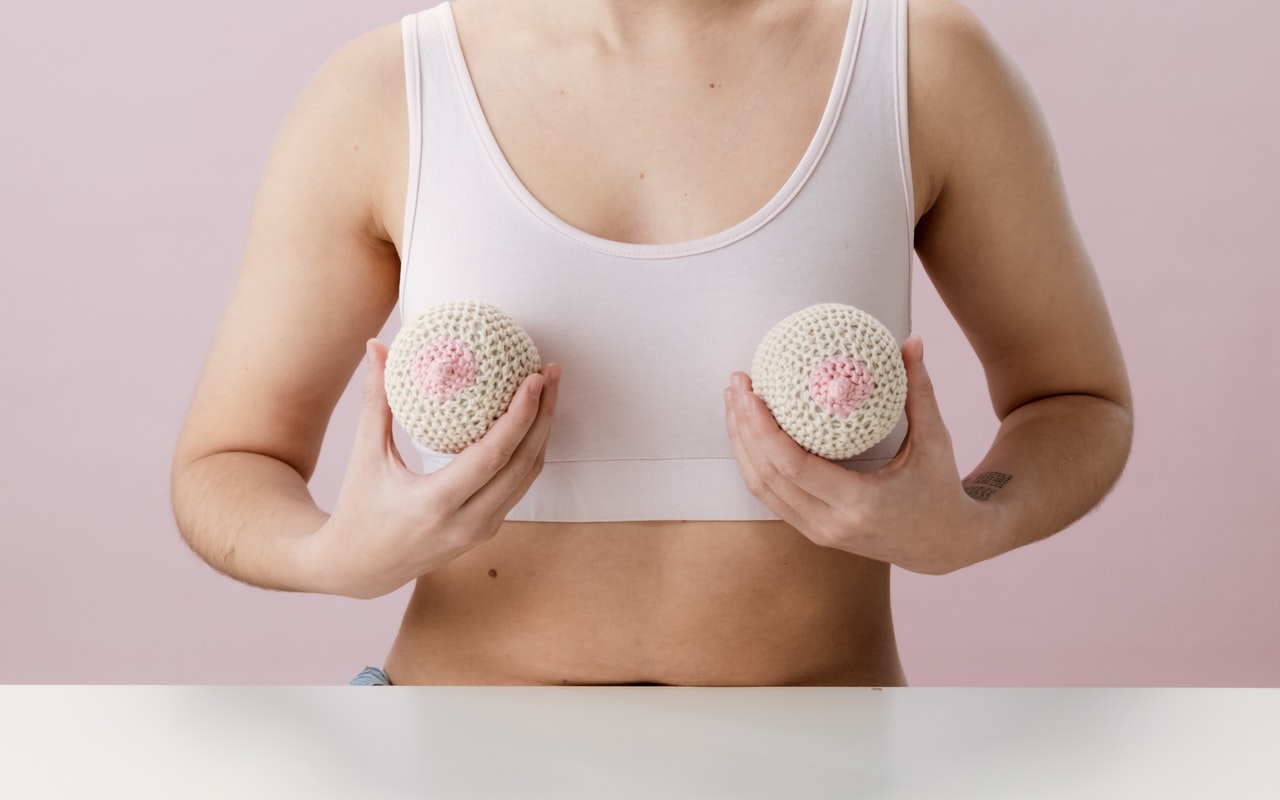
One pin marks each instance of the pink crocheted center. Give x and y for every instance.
(443, 368)
(840, 384)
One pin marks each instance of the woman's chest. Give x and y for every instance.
(647, 145)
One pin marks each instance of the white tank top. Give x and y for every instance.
(648, 334)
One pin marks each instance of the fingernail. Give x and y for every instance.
(534, 385)
(739, 382)
(919, 348)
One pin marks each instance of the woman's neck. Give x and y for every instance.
(646, 24)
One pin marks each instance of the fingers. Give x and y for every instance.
(477, 465)
(924, 419)
(746, 464)
(769, 444)
(773, 466)
(506, 488)
(374, 428)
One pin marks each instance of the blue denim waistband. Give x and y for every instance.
(371, 676)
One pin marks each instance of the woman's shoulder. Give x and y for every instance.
(962, 86)
(367, 70)
(354, 104)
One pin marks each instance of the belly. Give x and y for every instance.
(686, 603)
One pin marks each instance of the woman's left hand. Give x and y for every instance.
(913, 512)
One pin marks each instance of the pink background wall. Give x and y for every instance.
(132, 139)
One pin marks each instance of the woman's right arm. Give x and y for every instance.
(318, 280)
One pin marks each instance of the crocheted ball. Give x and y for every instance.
(832, 375)
(452, 371)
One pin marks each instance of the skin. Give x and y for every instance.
(800, 600)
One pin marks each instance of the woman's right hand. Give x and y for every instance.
(391, 525)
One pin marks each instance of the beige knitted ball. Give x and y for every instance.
(452, 371)
(832, 375)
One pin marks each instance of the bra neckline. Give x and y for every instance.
(715, 241)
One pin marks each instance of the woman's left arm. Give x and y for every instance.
(1000, 245)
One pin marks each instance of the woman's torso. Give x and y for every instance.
(679, 602)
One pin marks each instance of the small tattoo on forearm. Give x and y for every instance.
(981, 487)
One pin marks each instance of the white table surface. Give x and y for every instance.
(623, 742)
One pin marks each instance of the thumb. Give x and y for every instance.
(924, 418)
(373, 432)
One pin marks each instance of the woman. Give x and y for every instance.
(647, 187)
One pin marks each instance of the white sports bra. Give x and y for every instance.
(648, 334)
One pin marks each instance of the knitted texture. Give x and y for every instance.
(833, 378)
(452, 371)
